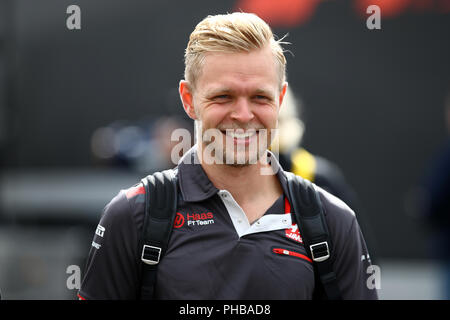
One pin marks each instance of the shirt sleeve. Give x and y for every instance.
(112, 269)
(352, 264)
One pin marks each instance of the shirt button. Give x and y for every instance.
(239, 221)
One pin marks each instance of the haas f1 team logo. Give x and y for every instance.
(293, 233)
(179, 221)
(193, 219)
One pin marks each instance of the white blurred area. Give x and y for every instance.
(411, 280)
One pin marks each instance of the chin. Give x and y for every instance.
(243, 160)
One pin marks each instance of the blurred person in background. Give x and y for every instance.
(142, 146)
(295, 158)
(435, 203)
(158, 153)
(323, 172)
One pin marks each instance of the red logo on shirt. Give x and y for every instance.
(293, 233)
(179, 221)
(193, 219)
(199, 216)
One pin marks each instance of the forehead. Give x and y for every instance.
(237, 71)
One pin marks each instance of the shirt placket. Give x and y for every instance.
(242, 225)
(237, 215)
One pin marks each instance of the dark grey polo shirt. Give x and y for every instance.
(215, 253)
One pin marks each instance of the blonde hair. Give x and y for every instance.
(235, 32)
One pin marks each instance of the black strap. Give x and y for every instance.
(160, 208)
(312, 225)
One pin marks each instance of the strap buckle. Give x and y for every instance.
(320, 251)
(150, 254)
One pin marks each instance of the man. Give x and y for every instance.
(234, 237)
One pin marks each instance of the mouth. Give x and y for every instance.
(239, 136)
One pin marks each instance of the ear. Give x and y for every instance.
(187, 99)
(283, 93)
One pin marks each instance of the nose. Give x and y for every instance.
(242, 111)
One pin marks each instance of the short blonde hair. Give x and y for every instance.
(235, 32)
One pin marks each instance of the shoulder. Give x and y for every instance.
(339, 215)
(126, 208)
(116, 239)
(129, 203)
(333, 203)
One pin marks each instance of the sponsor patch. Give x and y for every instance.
(100, 231)
(179, 221)
(193, 219)
(293, 233)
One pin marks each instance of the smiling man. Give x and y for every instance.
(236, 90)
(234, 235)
(233, 91)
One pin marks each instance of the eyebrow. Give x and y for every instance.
(223, 90)
(216, 91)
(264, 92)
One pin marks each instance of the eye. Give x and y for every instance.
(222, 96)
(262, 98)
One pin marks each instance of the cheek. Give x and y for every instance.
(213, 116)
(268, 116)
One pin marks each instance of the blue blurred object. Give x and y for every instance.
(142, 147)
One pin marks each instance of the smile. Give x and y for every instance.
(239, 134)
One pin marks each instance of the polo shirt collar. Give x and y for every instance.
(195, 184)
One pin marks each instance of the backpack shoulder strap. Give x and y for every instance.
(310, 217)
(160, 208)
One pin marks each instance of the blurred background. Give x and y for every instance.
(87, 112)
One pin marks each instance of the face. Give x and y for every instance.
(236, 101)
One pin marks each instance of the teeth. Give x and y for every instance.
(241, 135)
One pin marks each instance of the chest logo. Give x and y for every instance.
(193, 219)
(179, 221)
(199, 219)
(293, 233)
